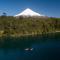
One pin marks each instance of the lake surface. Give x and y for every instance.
(46, 47)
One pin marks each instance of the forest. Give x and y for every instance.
(12, 26)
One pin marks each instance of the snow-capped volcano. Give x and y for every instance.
(28, 12)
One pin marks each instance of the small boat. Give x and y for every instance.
(29, 49)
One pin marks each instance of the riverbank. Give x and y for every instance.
(26, 35)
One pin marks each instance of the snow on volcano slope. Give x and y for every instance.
(28, 12)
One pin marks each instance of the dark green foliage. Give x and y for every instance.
(28, 26)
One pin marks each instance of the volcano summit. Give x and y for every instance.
(28, 12)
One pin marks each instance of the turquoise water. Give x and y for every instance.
(46, 47)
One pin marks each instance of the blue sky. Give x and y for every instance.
(46, 7)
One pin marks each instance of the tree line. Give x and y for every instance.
(13, 26)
